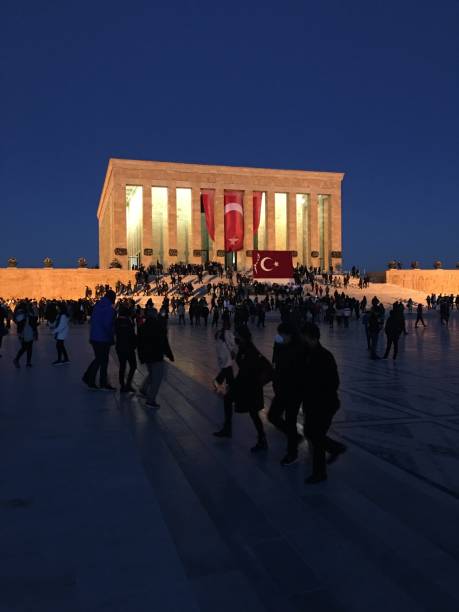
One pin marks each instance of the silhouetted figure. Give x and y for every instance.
(288, 360)
(101, 338)
(419, 317)
(126, 342)
(153, 346)
(320, 403)
(393, 329)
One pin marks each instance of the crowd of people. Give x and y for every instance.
(303, 373)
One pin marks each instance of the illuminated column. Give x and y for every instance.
(196, 243)
(219, 225)
(335, 228)
(270, 226)
(119, 225)
(172, 222)
(147, 238)
(326, 231)
(291, 224)
(246, 261)
(313, 228)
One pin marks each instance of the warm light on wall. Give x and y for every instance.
(134, 216)
(280, 221)
(302, 227)
(159, 217)
(183, 224)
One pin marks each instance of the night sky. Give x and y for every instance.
(366, 88)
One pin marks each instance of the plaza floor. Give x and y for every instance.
(108, 506)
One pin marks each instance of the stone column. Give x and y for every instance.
(313, 228)
(119, 229)
(219, 225)
(172, 222)
(335, 228)
(147, 229)
(270, 229)
(291, 224)
(246, 261)
(196, 242)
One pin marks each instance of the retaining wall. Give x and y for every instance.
(62, 283)
(429, 281)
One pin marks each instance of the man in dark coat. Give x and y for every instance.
(126, 342)
(288, 360)
(393, 329)
(153, 346)
(320, 384)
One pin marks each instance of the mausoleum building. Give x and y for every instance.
(193, 213)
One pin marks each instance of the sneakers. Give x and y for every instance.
(223, 433)
(261, 445)
(289, 460)
(152, 404)
(315, 479)
(57, 362)
(334, 456)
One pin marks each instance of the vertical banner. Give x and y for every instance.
(208, 199)
(234, 221)
(256, 210)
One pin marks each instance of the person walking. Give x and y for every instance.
(321, 402)
(226, 352)
(101, 339)
(419, 317)
(125, 345)
(60, 328)
(374, 327)
(26, 324)
(288, 365)
(393, 329)
(153, 346)
(246, 391)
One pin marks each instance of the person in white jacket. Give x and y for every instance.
(61, 329)
(226, 351)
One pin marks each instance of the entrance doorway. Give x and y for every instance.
(231, 259)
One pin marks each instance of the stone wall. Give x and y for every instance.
(429, 281)
(56, 282)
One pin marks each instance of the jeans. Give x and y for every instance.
(291, 406)
(100, 361)
(152, 382)
(391, 340)
(316, 426)
(61, 351)
(125, 357)
(26, 347)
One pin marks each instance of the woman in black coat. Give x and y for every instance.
(246, 391)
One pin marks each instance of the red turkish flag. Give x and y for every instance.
(234, 221)
(272, 264)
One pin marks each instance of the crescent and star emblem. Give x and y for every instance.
(263, 264)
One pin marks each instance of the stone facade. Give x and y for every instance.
(147, 174)
(429, 281)
(57, 283)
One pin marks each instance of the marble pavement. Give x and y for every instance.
(106, 505)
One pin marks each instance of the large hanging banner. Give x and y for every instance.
(208, 199)
(256, 210)
(234, 221)
(272, 264)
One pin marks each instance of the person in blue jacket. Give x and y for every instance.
(101, 339)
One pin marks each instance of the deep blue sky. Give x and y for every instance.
(367, 88)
